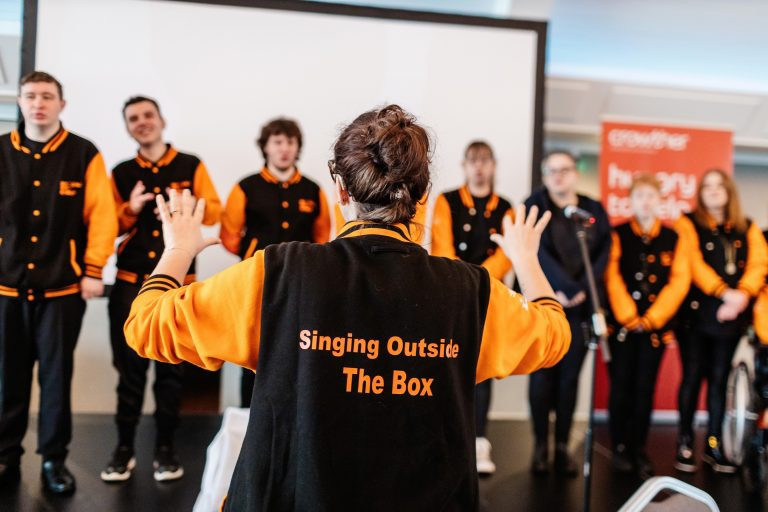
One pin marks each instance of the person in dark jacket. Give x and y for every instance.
(556, 388)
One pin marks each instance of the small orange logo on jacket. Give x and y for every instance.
(69, 188)
(306, 205)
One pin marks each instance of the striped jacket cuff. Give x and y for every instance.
(93, 271)
(159, 282)
(548, 301)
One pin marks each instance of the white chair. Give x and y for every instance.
(220, 459)
(687, 498)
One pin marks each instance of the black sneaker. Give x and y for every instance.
(564, 463)
(167, 466)
(56, 478)
(643, 464)
(620, 460)
(685, 461)
(540, 462)
(121, 465)
(714, 456)
(10, 474)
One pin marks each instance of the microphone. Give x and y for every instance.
(576, 213)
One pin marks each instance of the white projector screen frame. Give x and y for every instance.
(209, 63)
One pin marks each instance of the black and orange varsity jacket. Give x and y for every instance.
(462, 226)
(647, 277)
(366, 351)
(57, 216)
(761, 310)
(262, 211)
(706, 246)
(138, 252)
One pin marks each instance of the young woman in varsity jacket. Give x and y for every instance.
(462, 225)
(728, 258)
(156, 168)
(57, 230)
(557, 387)
(367, 349)
(275, 205)
(647, 278)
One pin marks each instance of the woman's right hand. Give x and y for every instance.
(520, 239)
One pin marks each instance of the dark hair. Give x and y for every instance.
(279, 126)
(477, 146)
(563, 152)
(140, 99)
(41, 76)
(383, 157)
(733, 211)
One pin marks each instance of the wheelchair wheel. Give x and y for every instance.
(740, 415)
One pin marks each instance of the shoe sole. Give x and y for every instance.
(167, 476)
(685, 468)
(718, 468)
(486, 468)
(120, 477)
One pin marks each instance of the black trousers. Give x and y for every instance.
(45, 331)
(556, 388)
(132, 371)
(247, 379)
(704, 356)
(633, 369)
(482, 404)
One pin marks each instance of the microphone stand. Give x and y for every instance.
(598, 336)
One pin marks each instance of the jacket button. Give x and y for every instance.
(30, 266)
(636, 295)
(639, 276)
(652, 278)
(285, 224)
(34, 239)
(36, 183)
(37, 156)
(472, 211)
(467, 227)
(155, 170)
(462, 246)
(285, 185)
(285, 204)
(155, 233)
(156, 190)
(30, 297)
(152, 254)
(36, 213)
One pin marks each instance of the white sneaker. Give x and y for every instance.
(485, 465)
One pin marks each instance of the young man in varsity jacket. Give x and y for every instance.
(275, 205)
(156, 168)
(557, 387)
(647, 279)
(463, 222)
(57, 229)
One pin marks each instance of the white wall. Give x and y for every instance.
(221, 72)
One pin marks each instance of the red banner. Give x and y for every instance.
(678, 156)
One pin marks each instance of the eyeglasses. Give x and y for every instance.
(549, 171)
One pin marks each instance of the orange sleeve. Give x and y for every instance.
(622, 304)
(202, 187)
(321, 230)
(702, 274)
(99, 217)
(520, 336)
(673, 294)
(757, 262)
(442, 230)
(233, 220)
(205, 323)
(497, 264)
(125, 219)
(761, 316)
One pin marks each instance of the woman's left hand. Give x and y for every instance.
(182, 218)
